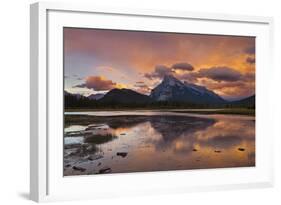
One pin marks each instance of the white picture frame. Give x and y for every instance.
(46, 179)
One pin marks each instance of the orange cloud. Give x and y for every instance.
(99, 83)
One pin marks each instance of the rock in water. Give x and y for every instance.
(122, 154)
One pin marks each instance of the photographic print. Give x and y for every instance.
(141, 101)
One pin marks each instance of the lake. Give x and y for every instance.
(100, 142)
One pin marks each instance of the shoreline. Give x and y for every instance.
(225, 111)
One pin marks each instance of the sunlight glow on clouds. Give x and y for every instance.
(106, 59)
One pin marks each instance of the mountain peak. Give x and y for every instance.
(172, 89)
(171, 80)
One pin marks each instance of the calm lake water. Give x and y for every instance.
(138, 141)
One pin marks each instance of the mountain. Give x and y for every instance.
(65, 93)
(172, 89)
(96, 96)
(78, 96)
(246, 102)
(124, 96)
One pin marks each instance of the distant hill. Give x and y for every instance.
(76, 100)
(125, 96)
(78, 96)
(172, 89)
(246, 102)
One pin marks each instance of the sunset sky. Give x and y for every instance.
(96, 61)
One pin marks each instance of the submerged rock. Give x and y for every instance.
(105, 170)
(81, 169)
(94, 157)
(122, 154)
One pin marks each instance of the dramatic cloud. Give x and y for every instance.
(191, 77)
(226, 81)
(251, 60)
(232, 90)
(220, 74)
(98, 83)
(249, 77)
(225, 85)
(250, 50)
(183, 66)
(159, 72)
(128, 57)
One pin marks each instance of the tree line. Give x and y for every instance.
(72, 102)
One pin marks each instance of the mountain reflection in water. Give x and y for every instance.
(157, 142)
